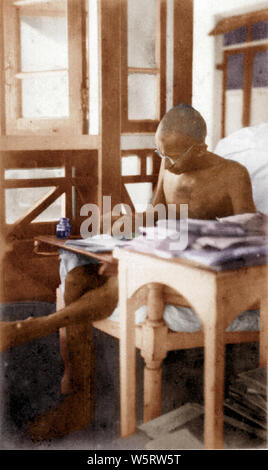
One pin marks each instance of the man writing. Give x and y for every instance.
(211, 187)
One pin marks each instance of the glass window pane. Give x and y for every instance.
(19, 200)
(45, 96)
(53, 212)
(130, 165)
(44, 43)
(235, 71)
(141, 19)
(235, 37)
(141, 194)
(259, 106)
(259, 31)
(24, 173)
(137, 141)
(142, 96)
(260, 70)
(234, 108)
(149, 165)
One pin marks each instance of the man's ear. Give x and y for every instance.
(201, 147)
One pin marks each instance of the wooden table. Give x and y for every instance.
(60, 243)
(216, 297)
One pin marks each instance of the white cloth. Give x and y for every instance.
(249, 146)
(69, 261)
(176, 318)
(185, 319)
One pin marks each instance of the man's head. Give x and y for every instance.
(180, 129)
(184, 119)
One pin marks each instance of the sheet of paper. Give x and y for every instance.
(98, 243)
(221, 243)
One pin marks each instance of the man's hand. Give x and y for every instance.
(108, 268)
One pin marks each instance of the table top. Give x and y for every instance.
(61, 243)
(118, 252)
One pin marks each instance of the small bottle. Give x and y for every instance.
(63, 228)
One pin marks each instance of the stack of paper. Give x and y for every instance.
(225, 243)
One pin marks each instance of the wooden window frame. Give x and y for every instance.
(144, 125)
(142, 177)
(15, 124)
(249, 49)
(75, 179)
(249, 53)
(233, 22)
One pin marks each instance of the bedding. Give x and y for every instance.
(176, 318)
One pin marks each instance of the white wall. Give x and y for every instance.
(207, 53)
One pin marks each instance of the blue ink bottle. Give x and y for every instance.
(63, 228)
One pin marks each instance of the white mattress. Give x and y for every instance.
(176, 318)
(185, 319)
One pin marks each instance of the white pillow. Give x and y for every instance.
(249, 146)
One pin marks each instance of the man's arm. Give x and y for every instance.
(110, 269)
(241, 190)
(159, 196)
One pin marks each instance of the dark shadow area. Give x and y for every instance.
(31, 375)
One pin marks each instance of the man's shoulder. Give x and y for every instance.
(229, 165)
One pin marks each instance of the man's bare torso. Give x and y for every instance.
(207, 190)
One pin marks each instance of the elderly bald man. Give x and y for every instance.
(189, 174)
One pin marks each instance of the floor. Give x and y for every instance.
(30, 380)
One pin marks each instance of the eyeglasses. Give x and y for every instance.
(166, 157)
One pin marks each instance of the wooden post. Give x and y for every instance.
(183, 51)
(109, 157)
(161, 57)
(2, 76)
(247, 87)
(75, 63)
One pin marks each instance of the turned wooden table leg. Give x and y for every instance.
(127, 359)
(214, 350)
(154, 351)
